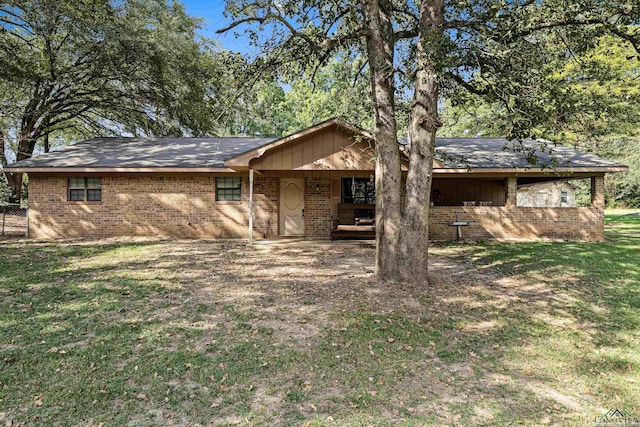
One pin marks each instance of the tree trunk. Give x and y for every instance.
(14, 180)
(425, 122)
(47, 147)
(380, 51)
(11, 177)
(3, 157)
(26, 145)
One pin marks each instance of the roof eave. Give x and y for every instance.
(520, 170)
(27, 169)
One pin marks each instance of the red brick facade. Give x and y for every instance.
(509, 223)
(185, 207)
(172, 206)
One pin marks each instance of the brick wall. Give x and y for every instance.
(511, 222)
(151, 206)
(317, 208)
(185, 207)
(514, 222)
(265, 206)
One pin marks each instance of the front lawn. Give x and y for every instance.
(215, 333)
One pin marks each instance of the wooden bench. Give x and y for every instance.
(354, 221)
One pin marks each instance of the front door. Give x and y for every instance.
(292, 206)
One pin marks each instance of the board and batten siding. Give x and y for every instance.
(455, 191)
(330, 150)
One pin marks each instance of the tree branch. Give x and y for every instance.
(635, 42)
(549, 25)
(468, 86)
(269, 17)
(3, 156)
(405, 34)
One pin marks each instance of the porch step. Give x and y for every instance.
(353, 232)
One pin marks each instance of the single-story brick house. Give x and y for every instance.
(310, 184)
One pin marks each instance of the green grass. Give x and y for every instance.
(157, 333)
(572, 318)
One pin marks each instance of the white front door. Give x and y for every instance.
(292, 206)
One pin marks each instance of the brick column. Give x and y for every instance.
(317, 208)
(597, 192)
(265, 208)
(512, 189)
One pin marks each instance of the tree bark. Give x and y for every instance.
(47, 146)
(413, 244)
(26, 145)
(380, 51)
(3, 156)
(11, 177)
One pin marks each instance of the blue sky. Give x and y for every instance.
(211, 11)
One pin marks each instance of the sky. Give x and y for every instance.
(211, 11)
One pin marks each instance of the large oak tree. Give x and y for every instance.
(80, 68)
(498, 50)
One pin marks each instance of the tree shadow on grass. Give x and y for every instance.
(215, 332)
(89, 328)
(570, 314)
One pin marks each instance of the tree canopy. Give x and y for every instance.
(97, 67)
(276, 106)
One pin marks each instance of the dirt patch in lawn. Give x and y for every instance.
(186, 332)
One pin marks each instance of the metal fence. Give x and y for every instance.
(14, 221)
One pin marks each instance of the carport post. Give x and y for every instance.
(250, 206)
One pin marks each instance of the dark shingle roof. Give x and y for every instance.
(212, 152)
(146, 153)
(502, 153)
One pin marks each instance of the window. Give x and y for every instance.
(358, 191)
(85, 189)
(228, 189)
(564, 197)
(541, 199)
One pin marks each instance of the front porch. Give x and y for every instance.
(492, 212)
(334, 207)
